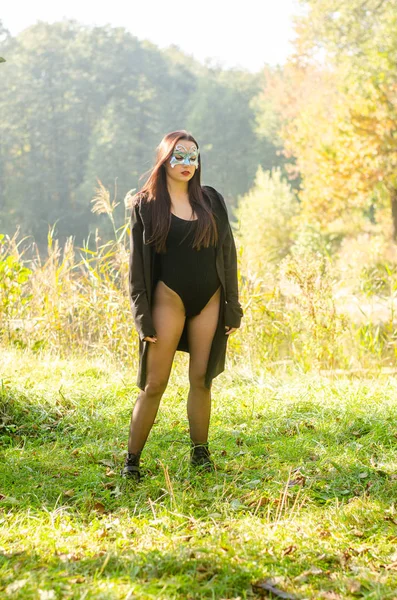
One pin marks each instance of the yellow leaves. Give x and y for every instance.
(341, 132)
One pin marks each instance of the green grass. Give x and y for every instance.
(304, 491)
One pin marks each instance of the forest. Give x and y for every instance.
(81, 104)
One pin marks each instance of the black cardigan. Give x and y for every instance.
(142, 282)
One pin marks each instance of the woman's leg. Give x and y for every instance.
(168, 318)
(201, 330)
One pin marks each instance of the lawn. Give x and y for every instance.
(303, 494)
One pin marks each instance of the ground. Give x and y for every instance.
(304, 489)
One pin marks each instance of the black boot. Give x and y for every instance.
(200, 457)
(131, 466)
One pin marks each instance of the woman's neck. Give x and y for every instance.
(178, 190)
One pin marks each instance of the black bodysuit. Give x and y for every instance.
(189, 272)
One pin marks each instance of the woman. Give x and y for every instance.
(183, 290)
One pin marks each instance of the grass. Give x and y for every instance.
(304, 491)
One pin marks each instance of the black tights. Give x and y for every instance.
(169, 319)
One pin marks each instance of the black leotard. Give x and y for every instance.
(189, 272)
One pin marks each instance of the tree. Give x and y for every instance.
(342, 135)
(82, 103)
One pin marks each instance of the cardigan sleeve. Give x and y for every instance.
(233, 311)
(137, 288)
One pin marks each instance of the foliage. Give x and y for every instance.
(266, 221)
(320, 331)
(337, 107)
(83, 103)
(294, 286)
(75, 304)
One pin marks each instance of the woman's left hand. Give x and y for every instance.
(230, 330)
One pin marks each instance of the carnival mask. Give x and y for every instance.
(182, 156)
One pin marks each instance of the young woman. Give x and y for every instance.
(183, 290)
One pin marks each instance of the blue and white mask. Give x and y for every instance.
(182, 156)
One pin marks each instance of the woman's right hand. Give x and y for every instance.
(150, 339)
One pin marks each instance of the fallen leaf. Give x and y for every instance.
(254, 483)
(99, 507)
(236, 504)
(299, 479)
(361, 550)
(312, 571)
(106, 463)
(354, 587)
(266, 586)
(69, 557)
(357, 532)
(9, 500)
(108, 485)
(324, 533)
(102, 533)
(314, 457)
(345, 557)
(17, 566)
(116, 492)
(46, 594)
(15, 586)
(263, 501)
(63, 557)
(289, 550)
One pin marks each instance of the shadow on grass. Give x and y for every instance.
(62, 453)
(185, 573)
(188, 573)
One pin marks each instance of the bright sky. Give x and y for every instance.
(245, 33)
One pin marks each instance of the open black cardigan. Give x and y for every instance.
(142, 281)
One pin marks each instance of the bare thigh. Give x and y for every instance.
(201, 330)
(169, 319)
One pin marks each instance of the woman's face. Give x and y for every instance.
(179, 167)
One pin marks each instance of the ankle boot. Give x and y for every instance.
(131, 466)
(200, 457)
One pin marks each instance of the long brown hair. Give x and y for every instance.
(155, 192)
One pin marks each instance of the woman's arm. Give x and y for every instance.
(234, 311)
(137, 288)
